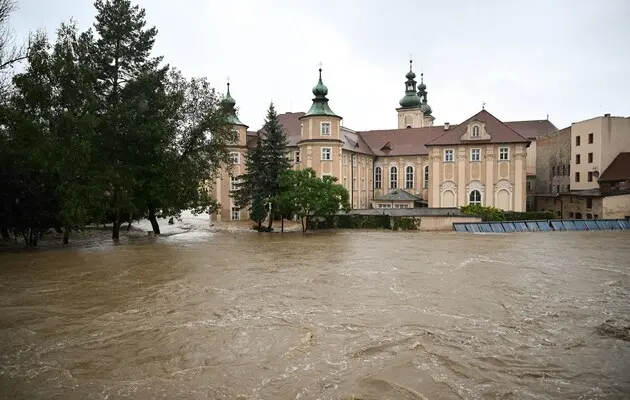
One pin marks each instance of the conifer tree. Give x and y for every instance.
(250, 190)
(275, 161)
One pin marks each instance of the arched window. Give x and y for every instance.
(474, 197)
(475, 131)
(409, 177)
(378, 178)
(393, 178)
(426, 176)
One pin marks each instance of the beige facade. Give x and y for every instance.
(481, 161)
(594, 145)
(490, 175)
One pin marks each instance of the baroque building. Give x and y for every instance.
(482, 160)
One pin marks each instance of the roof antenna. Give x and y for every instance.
(483, 105)
(547, 116)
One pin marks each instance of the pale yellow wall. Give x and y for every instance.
(312, 142)
(418, 162)
(361, 174)
(501, 183)
(611, 135)
(531, 158)
(413, 117)
(443, 223)
(616, 206)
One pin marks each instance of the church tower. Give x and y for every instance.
(239, 127)
(426, 108)
(410, 112)
(320, 142)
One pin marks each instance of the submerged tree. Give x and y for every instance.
(310, 197)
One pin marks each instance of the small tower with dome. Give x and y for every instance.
(410, 111)
(320, 141)
(428, 118)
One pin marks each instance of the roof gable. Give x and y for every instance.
(618, 170)
(398, 195)
(497, 132)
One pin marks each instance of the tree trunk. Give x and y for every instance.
(5, 232)
(282, 224)
(154, 222)
(304, 224)
(270, 220)
(259, 225)
(66, 235)
(116, 227)
(116, 230)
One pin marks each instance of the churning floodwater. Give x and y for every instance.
(374, 315)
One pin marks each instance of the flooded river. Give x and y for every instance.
(374, 315)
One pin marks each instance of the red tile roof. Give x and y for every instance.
(534, 128)
(409, 141)
(618, 170)
(498, 131)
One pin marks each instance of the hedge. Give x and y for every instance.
(488, 213)
(352, 221)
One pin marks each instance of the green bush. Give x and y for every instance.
(485, 212)
(405, 223)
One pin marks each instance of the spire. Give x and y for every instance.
(320, 101)
(422, 93)
(411, 99)
(230, 105)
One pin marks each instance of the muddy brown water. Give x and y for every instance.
(374, 315)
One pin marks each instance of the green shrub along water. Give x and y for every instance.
(488, 213)
(350, 221)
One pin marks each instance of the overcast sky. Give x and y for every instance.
(525, 59)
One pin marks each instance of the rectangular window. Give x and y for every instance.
(325, 128)
(345, 159)
(297, 157)
(589, 216)
(577, 176)
(378, 178)
(326, 153)
(354, 160)
(475, 154)
(590, 158)
(589, 177)
(345, 182)
(354, 183)
(504, 153)
(578, 215)
(577, 140)
(362, 183)
(590, 138)
(448, 155)
(236, 214)
(235, 157)
(578, 158)
(528, 185)
(589, 203)
(233, 182)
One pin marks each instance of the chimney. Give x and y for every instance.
(447, 126)
(606, 115)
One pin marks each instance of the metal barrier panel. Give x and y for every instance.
(614, 225)
(557, 226)
(592, 225)
(509, 227)
(520, 226)
(532, 226)
(602, 224)
(497, 227)
(460, 227)
(569, 225)
(544, 226)
(472, 228)
(625, 223)
(580, 225)
(485, 228)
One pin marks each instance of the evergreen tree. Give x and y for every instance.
(122, 54)
(251, 188)
(275, 161)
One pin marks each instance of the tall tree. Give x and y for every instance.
(251, 189)
(123, 55)
(310, 197)
(275, 161)
(10, 53)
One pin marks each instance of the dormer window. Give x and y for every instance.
(325, 128)
(475, 132)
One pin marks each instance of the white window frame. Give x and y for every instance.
(328, 151)
(476, 131)
(474, 152)
(479, 202)
(503, 153)
(426, 176)
(325, 132)
(354, 160)
(233, 181)
(452, 154)
(393, 183)
(378, 177)
(236, 157)
(237, 212)
(297, 157)
(407, 180)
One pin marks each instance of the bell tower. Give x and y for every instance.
(320, 144)
(410, 112)
(426, 108)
